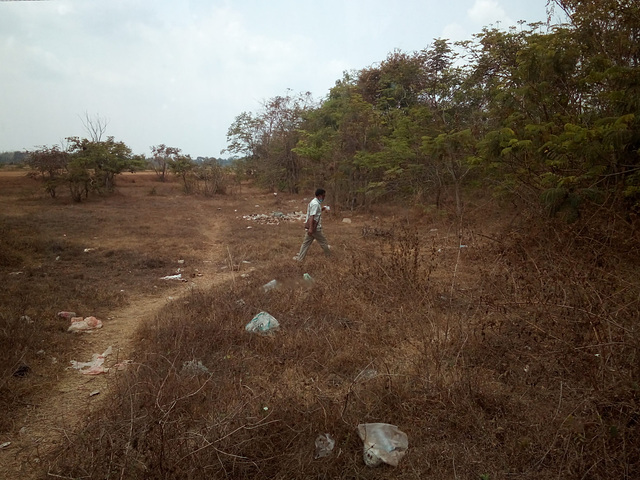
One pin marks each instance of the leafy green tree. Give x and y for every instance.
(340, 141)
(51, 163)
(84, 166)
(162, 157)
(454, 151)
(183, 166)
(106, 158)
(268, 139)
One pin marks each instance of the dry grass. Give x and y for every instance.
(515, 356)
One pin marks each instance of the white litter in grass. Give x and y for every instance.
(172, 277)
(88, 324)
(275, 217)
(95, 366)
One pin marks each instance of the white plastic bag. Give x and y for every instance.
(88, 324)
(382, 443)
(95, 366)
(270, 285)
(324, 445)
(262, 323)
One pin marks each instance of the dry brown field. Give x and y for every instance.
(504, 346)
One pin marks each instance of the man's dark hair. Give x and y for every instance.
(320, 191)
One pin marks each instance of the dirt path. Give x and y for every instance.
(60, 411)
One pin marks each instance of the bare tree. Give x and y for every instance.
(95, 126)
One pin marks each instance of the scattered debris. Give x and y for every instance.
(346, 220)
(4, 445)
(383, 443)
(122, 365)
(16, 273)
(262, 323)
(324, 445)
(94, 393)
(26, 318)
(95, 366)
(88, 324)
(67, 315)
(87, 250)
(177, 276)
(308, 278)
(194, 368)
(275, 218)
(270, 285)
(366, 374)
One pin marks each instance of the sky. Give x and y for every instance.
(178, 72)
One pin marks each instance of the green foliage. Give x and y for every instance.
(84, 166)
(552, 118)
(268, 140)
(183, 166)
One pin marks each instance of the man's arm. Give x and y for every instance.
(312, 227)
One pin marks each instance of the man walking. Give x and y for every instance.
(313, 226)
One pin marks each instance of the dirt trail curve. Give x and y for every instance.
(60, 412)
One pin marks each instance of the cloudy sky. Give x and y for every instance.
(178, 72)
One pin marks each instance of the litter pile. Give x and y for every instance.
(275, 217)
(88, 324)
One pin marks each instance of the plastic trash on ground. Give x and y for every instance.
(262, 323)
(194, 368)
(177, 276)
(95, 366)
(67, 315)
(270, 285)
(324, 445)
(79, 324)
(383, 443)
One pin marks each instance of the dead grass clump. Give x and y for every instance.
(563, 334)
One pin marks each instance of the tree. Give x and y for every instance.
(268, 140)
(106, 159)
(212, 176)
(95, 126)
(183, 166)
(453, 150)
(162, 157)
(51, 164)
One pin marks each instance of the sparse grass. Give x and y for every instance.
(515, 356)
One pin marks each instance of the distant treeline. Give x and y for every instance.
(12, 158)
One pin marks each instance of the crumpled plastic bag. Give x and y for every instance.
(95, 366)
(262, 323)
(324, 445)
(79, 324)
(382, 443)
